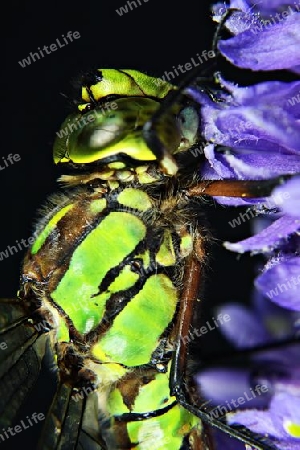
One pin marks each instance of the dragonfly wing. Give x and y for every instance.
(62, 422)
(72, 422)
(22, 350)
(72, 419)
(89, 438)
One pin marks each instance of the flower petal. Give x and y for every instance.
(220, 385)
(257, 421)
(281, 283)
(280, 421)
(265, 47)
(260, 118)
(238, 22)
(268, 238)
(290, 192)
(251, 334)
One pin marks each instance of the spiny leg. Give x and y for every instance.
(192, 281)
(20, 360)
(220, 27)
(237, 188)
(178, 387)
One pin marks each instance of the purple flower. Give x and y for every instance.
(271, 376)
(258, 118)
(269, 238)
(280, 280)
(281, 283)
(253, 132)
(282, 420)
(266, 34)
(264, 324)
(291, 193)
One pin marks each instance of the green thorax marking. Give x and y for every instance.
(103, 248)
(42, 236)
(108, 266)
(135, 332)
(125, 82)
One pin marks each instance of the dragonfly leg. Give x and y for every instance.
(180, 384)
(236, 188)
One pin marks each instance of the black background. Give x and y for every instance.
(152, 38)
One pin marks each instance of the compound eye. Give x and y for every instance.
(98, 136)
(188, 120)
(86, 139)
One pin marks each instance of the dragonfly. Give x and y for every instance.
(109, 287)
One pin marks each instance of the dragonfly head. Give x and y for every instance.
(108, 129)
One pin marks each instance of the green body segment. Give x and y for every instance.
(125, 82)
(169, 423)
(48, 229)
(135, 332)
(165, 432)
(110, 268)
(134, 198)
(120, 271)
(102, 249)
(100, 270)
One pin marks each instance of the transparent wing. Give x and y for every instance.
(22, 350)
(71, 421)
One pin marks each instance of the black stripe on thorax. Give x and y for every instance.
(134, 417)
